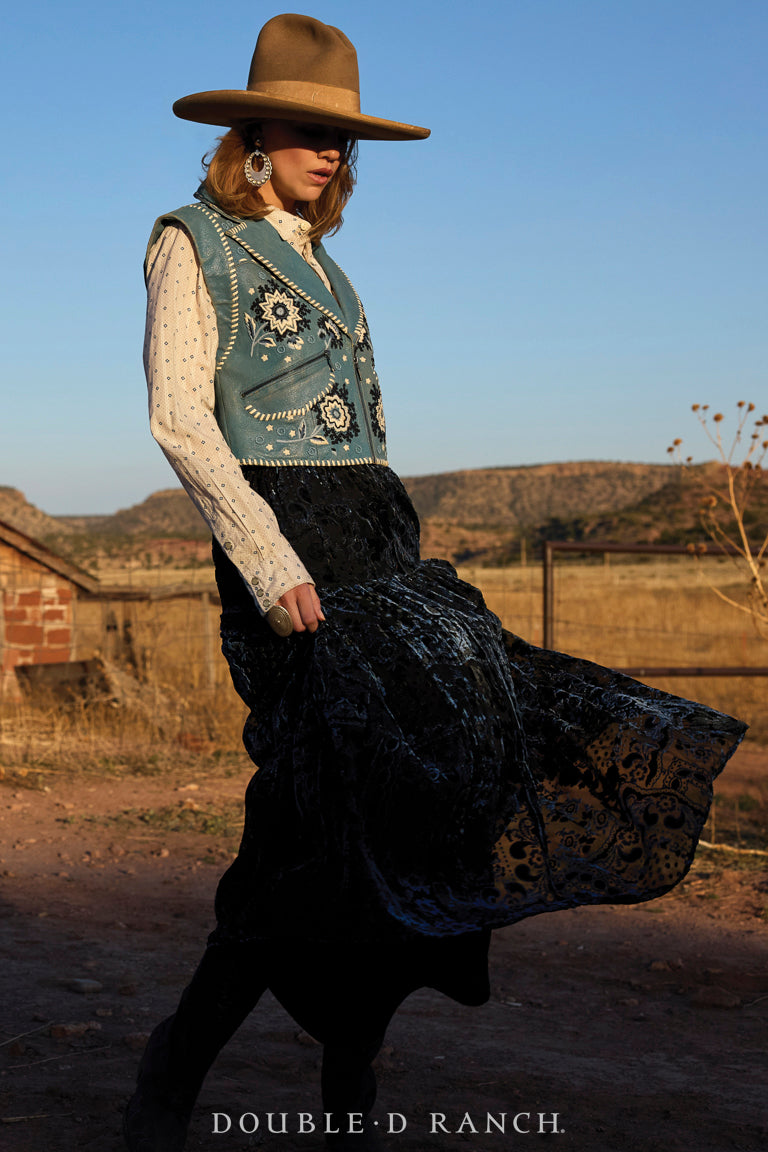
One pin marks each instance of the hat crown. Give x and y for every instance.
(302, 70)
(301, 49)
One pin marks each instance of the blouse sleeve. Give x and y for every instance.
(179, 358)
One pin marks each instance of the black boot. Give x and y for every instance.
(157, 1115)
(346, 998)
(223, 991)
(349, 1086)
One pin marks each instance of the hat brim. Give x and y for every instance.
(232, 108)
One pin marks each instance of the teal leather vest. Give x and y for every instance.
(295, 379)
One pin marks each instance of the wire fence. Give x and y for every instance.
(160, 626)
(624, 613)
(651, 612)
(654, 614)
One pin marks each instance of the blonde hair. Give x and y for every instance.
(225, 181)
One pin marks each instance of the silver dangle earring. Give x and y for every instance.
(262, 176)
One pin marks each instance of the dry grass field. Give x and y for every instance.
(176, 688)
(118, 815)
(657, 612)
(173, 699)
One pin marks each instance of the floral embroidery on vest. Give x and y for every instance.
(329, 332)
(338, 415)
(376, 409)
(282, 312)
(295, 381)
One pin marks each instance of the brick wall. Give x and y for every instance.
(36, 615)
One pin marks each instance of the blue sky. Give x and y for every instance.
(576, 255)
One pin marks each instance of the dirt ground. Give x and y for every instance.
(641, 1027)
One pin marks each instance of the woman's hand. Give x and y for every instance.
(302, 604)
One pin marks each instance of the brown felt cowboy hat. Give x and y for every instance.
(301, 70)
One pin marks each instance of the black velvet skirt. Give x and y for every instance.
(423, 775)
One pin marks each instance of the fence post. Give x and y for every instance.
(210, 664)
(548, 623)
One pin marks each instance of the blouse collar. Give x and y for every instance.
(292, 228)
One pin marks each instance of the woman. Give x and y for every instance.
(423, 776)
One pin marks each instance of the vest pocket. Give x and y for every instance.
(290, 392)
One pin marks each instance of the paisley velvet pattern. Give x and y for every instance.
(422, 771)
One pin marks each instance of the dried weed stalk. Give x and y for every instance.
(725, 502)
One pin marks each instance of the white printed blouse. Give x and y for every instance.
(179, 358)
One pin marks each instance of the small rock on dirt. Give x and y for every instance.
(71, 1031)
(136, 1041)
(83, 985)
(714, 998)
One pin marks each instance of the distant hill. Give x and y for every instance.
(16, 510)
(477, 515)
(515, 497)
(480, 515)
(166, 529)
(669, 515)
(168, 512)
